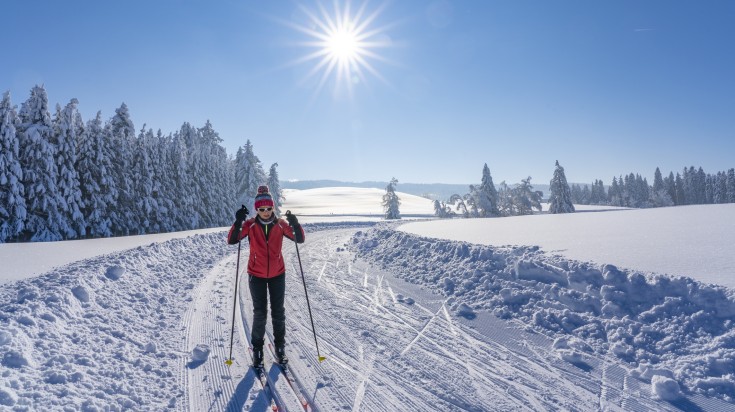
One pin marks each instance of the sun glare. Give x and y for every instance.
(342, 45)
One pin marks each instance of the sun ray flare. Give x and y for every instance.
(343, 45)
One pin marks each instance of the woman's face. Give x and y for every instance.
(265, 212)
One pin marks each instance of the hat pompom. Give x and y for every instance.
(263, 198)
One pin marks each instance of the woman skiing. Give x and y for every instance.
(266, 269)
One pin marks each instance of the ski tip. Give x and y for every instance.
(228, 362)
(322, 359)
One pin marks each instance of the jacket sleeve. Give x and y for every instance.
(236, 233)
(295, 233)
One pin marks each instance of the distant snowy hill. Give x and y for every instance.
(433, 191)
(352, 201)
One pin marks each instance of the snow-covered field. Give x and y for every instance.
(407, 321)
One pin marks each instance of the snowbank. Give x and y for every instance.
(103, 333)
(675, 323)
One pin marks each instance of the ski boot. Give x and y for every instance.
(281, 357)
(257, 357)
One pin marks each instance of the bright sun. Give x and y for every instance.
(343, 45)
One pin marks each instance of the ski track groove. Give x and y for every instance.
(211, 384)
(382, 353)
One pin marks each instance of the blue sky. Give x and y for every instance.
(606, 88)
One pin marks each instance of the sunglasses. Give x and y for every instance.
(265, 209)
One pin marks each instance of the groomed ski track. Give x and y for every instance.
(390, 346)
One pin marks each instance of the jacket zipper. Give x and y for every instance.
(267, 253)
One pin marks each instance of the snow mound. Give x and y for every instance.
(200, 353)
(114, 272)
(465, 311)
(668, 323)
(8, 397)
(81, 337)
(665, 388)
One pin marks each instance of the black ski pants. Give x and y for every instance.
(260, 289)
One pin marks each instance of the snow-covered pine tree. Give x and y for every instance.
(12, 191)
(144, 204)
(560, 198)
(660, 195)
(615, 193)
(709, 188)
(183, 198)
(249, 174)
(670, 186)
(441, 210)
(96, 179)
(658, 181)
(460, 207)
(506, 204)
(157, 215)
(194, 172)
(275, 187)
(68, 127)
(391, 201)
(165, 182)
(700, 183)
(586, 195)
(731, 185)
(40, 174)
(525, 198)
(472, 199)
(680, 198)
(486, 198)
(121, 133)
(220, 195)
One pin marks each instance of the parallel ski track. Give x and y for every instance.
(469, 371)
(386, 354)
(346, 290)
(212, 385)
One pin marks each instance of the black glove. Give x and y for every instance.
(291, 218)
(241, 214)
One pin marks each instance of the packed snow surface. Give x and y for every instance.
(695, 241)
(407, 322)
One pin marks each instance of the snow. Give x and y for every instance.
(352, 201)
(476, 317)
(695, 241)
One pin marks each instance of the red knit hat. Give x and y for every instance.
(264, 198)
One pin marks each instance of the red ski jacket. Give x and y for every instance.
(266, 259)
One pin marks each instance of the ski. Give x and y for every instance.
(295, 385)
(265, 384)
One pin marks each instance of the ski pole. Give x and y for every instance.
(306, 293)
(228, 362)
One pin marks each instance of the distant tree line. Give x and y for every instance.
(484, 200)
(62, 178)
(690, 187)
